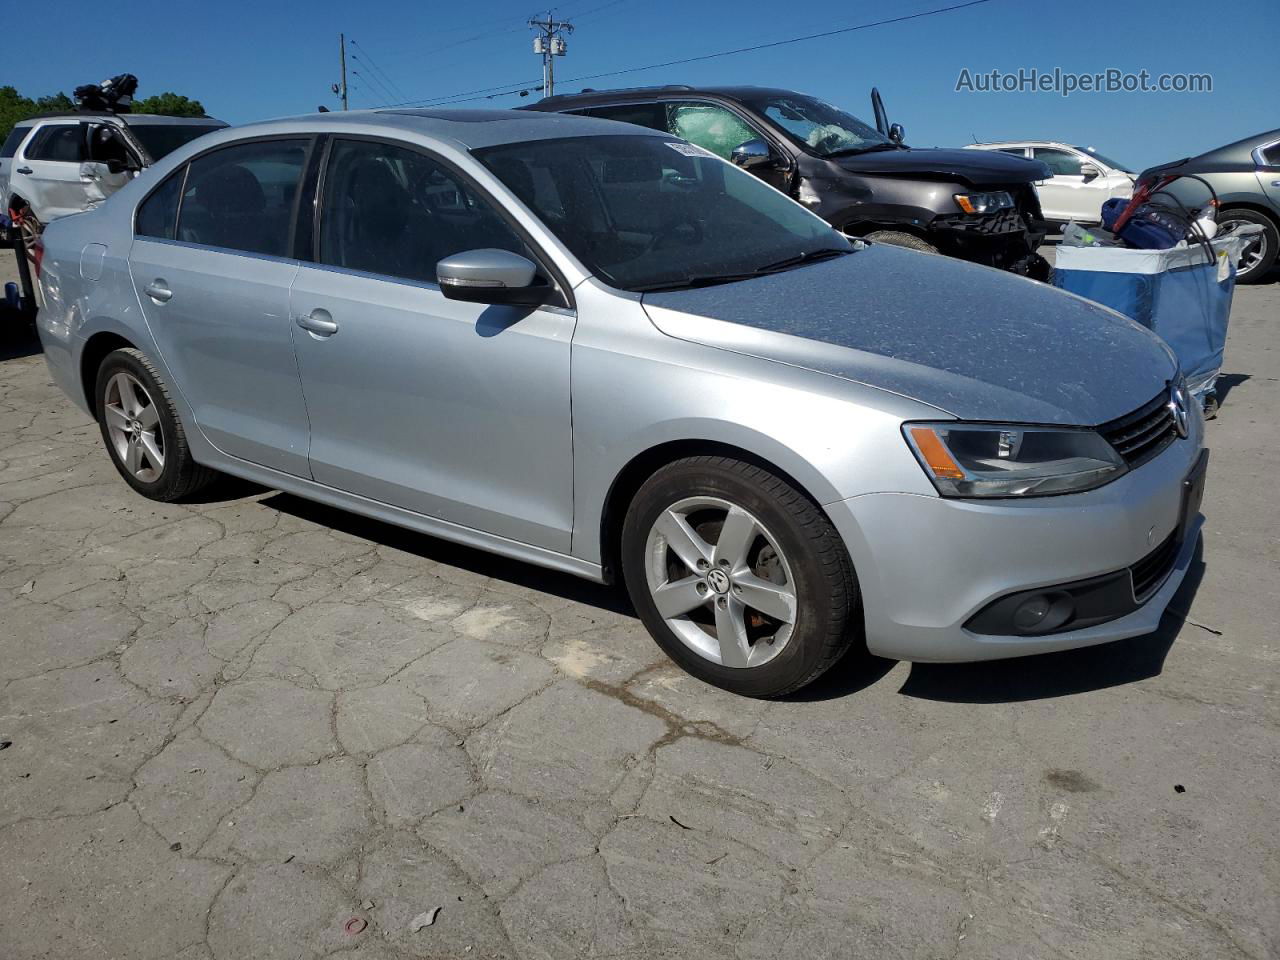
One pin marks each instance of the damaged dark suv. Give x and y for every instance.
(862, 179)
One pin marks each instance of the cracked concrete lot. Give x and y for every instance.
(232, 726)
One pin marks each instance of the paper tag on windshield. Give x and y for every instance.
(690, 150)
(1224, 266)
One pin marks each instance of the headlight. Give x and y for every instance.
(991, 460)
(985, 202)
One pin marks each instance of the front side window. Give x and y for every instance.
(1060, 163)
(397, 212)
(645, 212)
(710, 126)
(60, 143)
(242, 197)
(819, 127)
(158, 214)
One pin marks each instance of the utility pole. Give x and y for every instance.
(341, 88)
(550, 44)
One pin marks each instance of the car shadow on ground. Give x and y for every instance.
(453, 554)
(17, 336)
(1061, 674)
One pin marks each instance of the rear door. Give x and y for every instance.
(7, 150)
(458, 411)
(46, 170)
(212, 264)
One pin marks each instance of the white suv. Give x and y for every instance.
(1083, 179)
(53, 166)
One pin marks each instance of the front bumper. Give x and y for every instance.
(926, 565)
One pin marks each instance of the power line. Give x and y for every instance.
(377, 68)
(486, 93)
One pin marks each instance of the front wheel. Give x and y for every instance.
(900, 238)
(739, 577)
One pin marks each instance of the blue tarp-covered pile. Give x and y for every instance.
(1179, 293)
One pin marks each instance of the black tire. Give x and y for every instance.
(900, 238)
(828, 615)
(1270, 240)
(180, 476)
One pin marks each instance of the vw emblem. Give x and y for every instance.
(719, 580)
(1178, 409)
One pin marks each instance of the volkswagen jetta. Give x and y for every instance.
(606, 351)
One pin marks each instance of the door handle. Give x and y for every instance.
(23, 170)
(1275, 183)
(158, 291)
(318, 322)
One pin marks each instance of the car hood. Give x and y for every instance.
(975, 342)
(972, 166)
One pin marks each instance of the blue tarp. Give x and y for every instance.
(1177, 293)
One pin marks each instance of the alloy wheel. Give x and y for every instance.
(133, 424)
(1255, 251)
(721, 582)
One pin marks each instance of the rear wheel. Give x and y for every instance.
(900, 238)
(1262, 249)
(738, 576)
(30, 229)
(141, 429)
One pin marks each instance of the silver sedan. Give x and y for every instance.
(600, 349)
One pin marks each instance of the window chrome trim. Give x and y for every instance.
(1258, 151)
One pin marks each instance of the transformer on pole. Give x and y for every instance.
(549, 44)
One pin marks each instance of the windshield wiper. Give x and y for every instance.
(699, 280)
(809, 256)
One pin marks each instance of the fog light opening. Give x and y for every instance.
(1043, 612)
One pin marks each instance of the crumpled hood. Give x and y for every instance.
(979, 167)
(978, 343)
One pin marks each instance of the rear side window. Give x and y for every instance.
(158, 215)
(651, 115)
(10, 146)
(242, 197)
(61, 143)
(1270, 156)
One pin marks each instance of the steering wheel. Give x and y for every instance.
(676, 229)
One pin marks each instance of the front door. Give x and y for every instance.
(457, 411)
(213, 280)
(1068, 195)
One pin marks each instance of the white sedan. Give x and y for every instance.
(1082, 181)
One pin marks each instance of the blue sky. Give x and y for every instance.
(252, 60)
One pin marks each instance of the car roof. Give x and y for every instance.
(562, 101)
(1029, 143)
(470, 129)
(75, 116)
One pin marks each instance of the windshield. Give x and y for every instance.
(819, 127)
(648, 212)
(161, 139)
(1113, 164)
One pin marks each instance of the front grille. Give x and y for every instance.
(1141, 435)
(1150, 573)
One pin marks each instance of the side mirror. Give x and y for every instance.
(896, 132)
(753, 153)
(492, 276)
(116, 166)
(1089, 171)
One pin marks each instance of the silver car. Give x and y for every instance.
(600, 349)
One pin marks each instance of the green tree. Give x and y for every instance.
(14, 107)
(170, 105)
